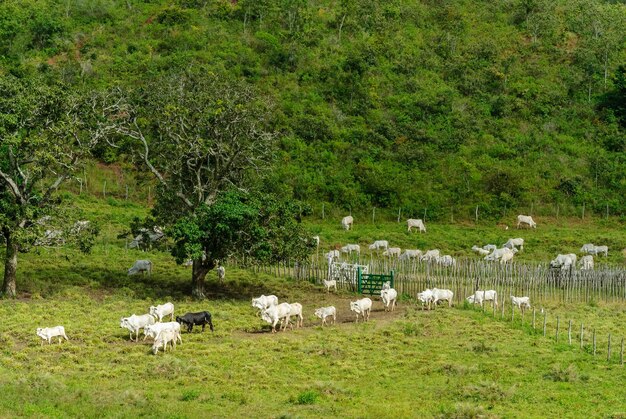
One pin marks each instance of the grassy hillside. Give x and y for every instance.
(412, 104)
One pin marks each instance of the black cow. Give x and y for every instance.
(192, 319)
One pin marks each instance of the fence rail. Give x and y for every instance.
(539, 282)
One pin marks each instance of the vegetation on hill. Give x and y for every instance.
(418, 104)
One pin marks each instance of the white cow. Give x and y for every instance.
(588, 248)
(135, 323)
(362, 307)
(153, 235)
(480, 250)
(600, 249)
(296, 311)
(392, 252)
(480, 297)
(446, 260)
(564, 261)
(586, 263)
(47, 333)
(163, 338)
(521, 302)
(142, 266)
(411, 254)
(441, 295)
(154, 330)
(513, 243)
(330, 284)
(333, 254)
(526, 219)
(499, 253)
(490, 247)
(162, 310)
(346, 222)
(379, 244)
(324, 312)
(507, 256)
(430, 255)
(264, 301)
(274, 314)
(426, 297)
(349, 248)
(389, 297)
(221, 273)
(386, 285)
(419, 224)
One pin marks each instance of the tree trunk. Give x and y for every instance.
(10, 267)
(199, 271)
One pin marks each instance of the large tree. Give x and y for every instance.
(201, 136)
(43, 139)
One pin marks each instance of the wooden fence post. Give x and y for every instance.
(399, 211)
(582, 342)
(569, 332)
(534, 314)
(512, 312)
(322, 211)
(594, 342)
(608, 351)
(556, 339)
(621, 353)
(476, 213)
(373, 214)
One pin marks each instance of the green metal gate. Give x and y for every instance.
(372, 283)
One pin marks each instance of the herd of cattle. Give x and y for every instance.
(490, 252)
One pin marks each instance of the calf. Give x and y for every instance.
(190, 320)
(389, 297)
(330, 284)
(154, 330)
(349, 248)
(324, 312)
(163, 338)
(426, 297)
(362, 307)
(221, 273)
(521, 302)
(140, 266)
(480, 251)
(162, 310)
(135, 323)
(47, 333)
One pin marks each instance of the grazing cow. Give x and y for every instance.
(441, 295)
(410, 254)
(490, 247)
(513, 243)
(430, 255)
(379, 244)
(163, 338)
(330, 284)
(480, 297)
(221, 273)
(162, 310)
(264, 301)
(499, 253)
(154, 330)
(526, 219)
(274, 314)
(601, 249)
(362, 307)
(346, 222)
(586, 263)
(521, 302)
(445, 260)
(389, 297)
(47, 333)
(142, 266)
(296, 311)
(480, 250)
(349, 248)
(392, 252)
(564, 261)
(153, 235)
(426, 297)
(588, 248)
(324, 312)
(419, 224)
(135, 323)
(201, 318)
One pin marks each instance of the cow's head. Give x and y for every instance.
(39, 331)
(471, 299)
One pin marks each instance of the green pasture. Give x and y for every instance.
(456, 362)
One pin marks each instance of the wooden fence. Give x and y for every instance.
(539, 282)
